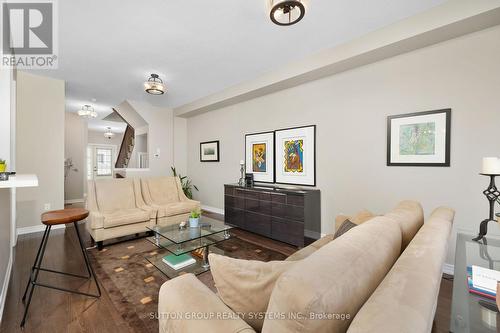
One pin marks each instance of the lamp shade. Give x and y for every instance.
(154, 85)
(87, 112)
(108, 134)
(491, 166)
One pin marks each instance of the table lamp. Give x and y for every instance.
(491, 168)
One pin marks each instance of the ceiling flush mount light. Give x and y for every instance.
(87, 112)
(154, 85)
(287, 12)
(108, 134)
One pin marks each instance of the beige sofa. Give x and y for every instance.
(381, 276)
(117, 206)
(165, 195)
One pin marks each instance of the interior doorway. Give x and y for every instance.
(100, 161)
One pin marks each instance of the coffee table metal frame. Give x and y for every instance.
(179, 241)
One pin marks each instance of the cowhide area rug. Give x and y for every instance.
(132, 283)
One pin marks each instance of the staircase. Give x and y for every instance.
(126, 148)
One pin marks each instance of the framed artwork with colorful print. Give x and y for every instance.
(259, 156)
(296, 155)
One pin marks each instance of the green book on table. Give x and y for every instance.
(178, 262)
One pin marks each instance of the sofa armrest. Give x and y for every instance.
(186, 305)
(95, 220)
(194, 202)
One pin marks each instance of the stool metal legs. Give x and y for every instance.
(37, 267)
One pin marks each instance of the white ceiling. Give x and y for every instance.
(107, 49)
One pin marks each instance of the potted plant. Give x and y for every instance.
(194, 218)
(186, 184)
(3, 166)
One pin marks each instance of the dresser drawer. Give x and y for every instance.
(295, 200)
(234, 217)
(287, 231)
(258, 206)
(252, 195)
(294, 213)
(289, 212)
(239, 202)
(260, 224)
(265, 196)
(239, 192)
(229, 190)
(278, 198)
(228, 201)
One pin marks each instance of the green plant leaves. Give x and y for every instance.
(186, 183)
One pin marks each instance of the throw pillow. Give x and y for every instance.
(246, 285)
(344, 227)
(359, 218)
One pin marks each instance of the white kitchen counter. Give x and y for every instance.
(20, 181)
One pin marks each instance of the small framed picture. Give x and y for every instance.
(259, 156)
(419, 139)
(209, 151)
(296, 155)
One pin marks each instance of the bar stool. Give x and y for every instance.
(49, 219)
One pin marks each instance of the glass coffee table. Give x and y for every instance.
(175, 240)
(471, 313)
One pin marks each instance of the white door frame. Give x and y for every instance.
(91, 172)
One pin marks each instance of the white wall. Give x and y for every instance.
(350, 111)
(75, 147)
(6, 81)
(40, 145)
(97, 138)
(180, 145)
(160, 136)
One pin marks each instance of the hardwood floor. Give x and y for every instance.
(53, 311)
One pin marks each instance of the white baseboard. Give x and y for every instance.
(5, 287)
(74, 201)
(37, 228)
(213, 209)
(448, 269)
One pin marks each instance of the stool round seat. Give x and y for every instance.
(64, 216)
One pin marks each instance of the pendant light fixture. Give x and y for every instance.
(154, 85)
(108, 134)
(287, 12)
(87, 112)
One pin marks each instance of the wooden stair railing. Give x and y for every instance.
(126, 148)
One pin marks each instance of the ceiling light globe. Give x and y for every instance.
(154, 85)
(287, 12)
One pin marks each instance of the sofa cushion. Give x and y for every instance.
(323, 292)
(125, 216)
(410, 217)
(246, 285)
(115, 194)
(411, 288)
(177, 208)
(186, 305)
(160, 190)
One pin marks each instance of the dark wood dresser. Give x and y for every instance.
(284, 214)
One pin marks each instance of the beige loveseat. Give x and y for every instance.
(381, 276)
(117, 206)
(165, 195)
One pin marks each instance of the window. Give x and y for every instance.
(103, 161)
